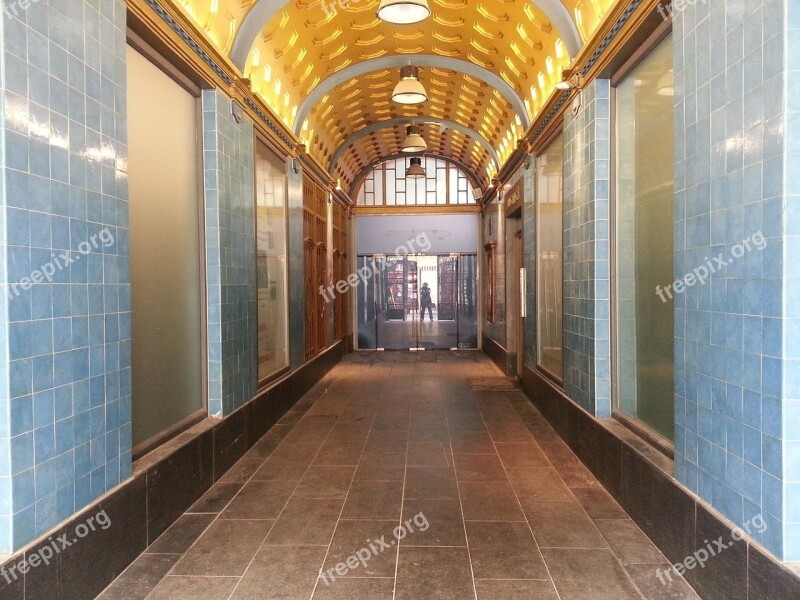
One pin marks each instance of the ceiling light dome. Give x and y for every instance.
(414, 141)
(409, 90)
(404, 12)
(415, 171)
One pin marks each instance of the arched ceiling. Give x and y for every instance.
(444, 64)
(438, 133)
(328, 72)
(376, 146)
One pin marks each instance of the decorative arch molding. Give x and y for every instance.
(263, 10)
(419, 60)
(255, 21)
(358, 180)
(564, 24)
(391, 123)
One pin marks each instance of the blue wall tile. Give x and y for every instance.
(229, 167)
(743, 377)
(587, 250)
(59, 155)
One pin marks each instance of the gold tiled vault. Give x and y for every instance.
(287, 49)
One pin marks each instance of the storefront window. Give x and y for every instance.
(271, 234)
(549, 256)
(166, 295)
(644, 242)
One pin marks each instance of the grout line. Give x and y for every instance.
(402, 502)
(588, 516)
(519, 503)
(261, 546)
(346, 496)
(461, 504)
(291, 427)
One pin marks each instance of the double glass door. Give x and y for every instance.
(418, 302)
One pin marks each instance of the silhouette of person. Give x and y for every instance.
(425, 302)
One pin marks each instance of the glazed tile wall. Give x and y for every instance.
(229, 169)
(586, 251)
(737, 350)
(65, 381)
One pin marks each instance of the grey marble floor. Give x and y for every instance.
(492, 504)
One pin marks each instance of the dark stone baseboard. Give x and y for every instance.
(676, 520)
(165, 484)
(496, 352)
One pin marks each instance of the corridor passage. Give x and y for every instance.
(490, 502)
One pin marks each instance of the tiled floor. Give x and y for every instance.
(493, 504)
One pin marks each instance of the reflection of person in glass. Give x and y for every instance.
(425, 302)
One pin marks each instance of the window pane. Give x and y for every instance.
(379, 197)
(550, 279)
(164, 221)
(644, 233)
(273, 354)
(391, 183)
(389, 180)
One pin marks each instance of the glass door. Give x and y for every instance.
(418, 302)
(398, 312)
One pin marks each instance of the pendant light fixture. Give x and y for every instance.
(414, 141)
(416, 170)
(409, 90)
(404, 12)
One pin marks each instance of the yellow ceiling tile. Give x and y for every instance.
(512, 39)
